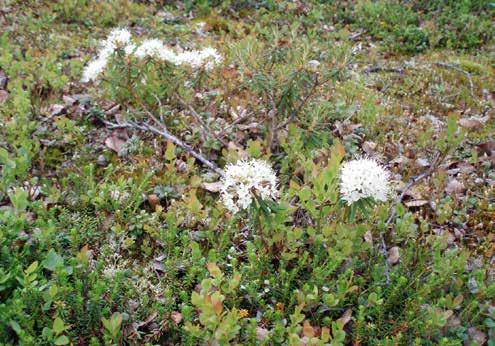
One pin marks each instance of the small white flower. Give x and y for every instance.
(120, 196)
(207, 58)
(130, 49)
(313, 63)
(150, 48)
(364, 178)
(246, 180)
(117, 39)
(93, 69)
(122, 39)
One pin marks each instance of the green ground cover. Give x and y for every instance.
(112, 234)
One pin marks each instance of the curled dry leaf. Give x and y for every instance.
(116, 140)
(153, 200)
(112, 110)
(147, 321)
(3, 80)
(346, 317)
(393, 255)
(477, 336)
(56, 110)
(470, 123)
(454, 187)
(261, 333)
(212, 187)
(369, 147)
(368, 237)
(176, 317)
(308, 330)
(4, 95)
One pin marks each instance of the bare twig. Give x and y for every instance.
(413, 181)
(167, 135)
(374, 69)
(458, 69)
(206, 130)
(272, 115)
(235, 122)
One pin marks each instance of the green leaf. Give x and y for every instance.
(58, 326)
(170, 152)
(53, 260)
(4, 156)
(19, 199)
(116, 320)
(32, 268)
(62, 340)
(15, 326)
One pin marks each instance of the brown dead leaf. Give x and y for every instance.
(454, 322)
(346, 317)
(116, 140)
(261, 333)
(470, 123)
(477, 336)
(231, 146)
(454, 187)
(393, 255)
(368, 237)
(56, 110)
(369, 147)
(212, 187)
(308, 330)
(3, 80)
(147, 321)
(487, 148)
(4, 95)
(176, 317)
(460, 167)
(153, 200)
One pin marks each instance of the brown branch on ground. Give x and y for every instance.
(235, 122)
(458, 69)
(374, 69)
(207, 132)
(168, 136)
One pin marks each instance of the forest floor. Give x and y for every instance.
(112, 233)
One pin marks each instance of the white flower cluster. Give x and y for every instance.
(364, 178)
(121, 39)
(207, 57)
(118, 38)
(246, 180)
